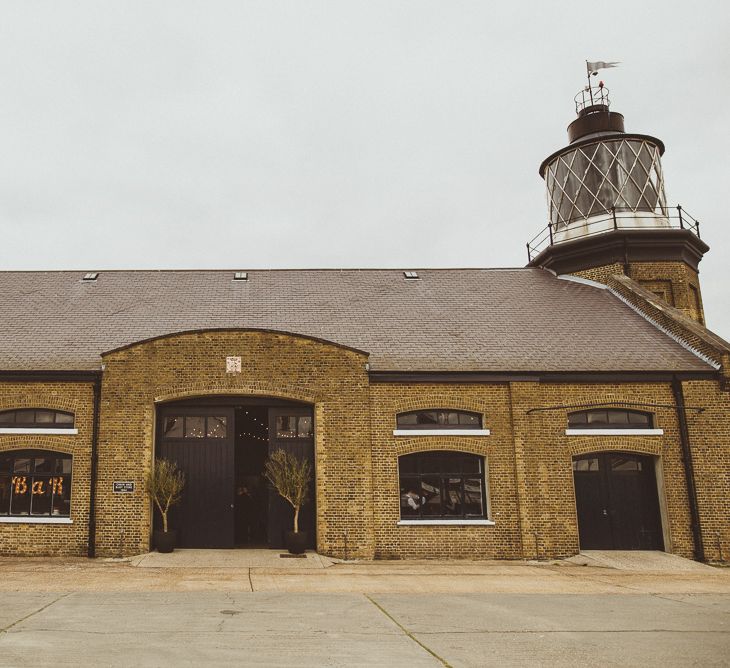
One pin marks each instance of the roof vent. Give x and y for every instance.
(412, 275)
(91, 276)
(240, 276)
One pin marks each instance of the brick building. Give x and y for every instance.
(471, 413)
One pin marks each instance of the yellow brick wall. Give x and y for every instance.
(709, 433)
(53, 539)
(658, 277)
(472, 542)
(331, 378)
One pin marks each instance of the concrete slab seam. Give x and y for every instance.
(408, 633)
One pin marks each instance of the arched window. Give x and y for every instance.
(36, 418)
(442, 485)
(35, 483)
(439, 418)
(610, 418)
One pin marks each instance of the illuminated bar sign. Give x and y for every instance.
(123, 487)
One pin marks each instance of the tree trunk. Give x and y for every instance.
(296, 519)
(164, 522)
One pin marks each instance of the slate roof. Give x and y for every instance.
(489, 320)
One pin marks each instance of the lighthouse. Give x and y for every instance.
(608, 213)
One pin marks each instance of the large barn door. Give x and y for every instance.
(617, 502)
(201, 442)
(292, 429)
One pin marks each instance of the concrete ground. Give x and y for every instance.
(65, 612)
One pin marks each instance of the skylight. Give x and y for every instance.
(91, 276)
(413, 275)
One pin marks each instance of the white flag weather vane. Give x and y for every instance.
(600, 65)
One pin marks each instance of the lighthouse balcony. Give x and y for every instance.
(617, 221)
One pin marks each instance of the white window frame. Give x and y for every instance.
(441, 432)
(614, 432)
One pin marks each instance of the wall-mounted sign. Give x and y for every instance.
(233, 365)
(124, 487)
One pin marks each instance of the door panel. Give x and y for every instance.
(617, 502)
(205, 515)
(281, 514)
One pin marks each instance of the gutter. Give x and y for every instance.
(689, 475)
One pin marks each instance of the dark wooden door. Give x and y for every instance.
(201, 442)
(292, 429)
(617, 502)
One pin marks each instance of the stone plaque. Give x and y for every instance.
(233, 365)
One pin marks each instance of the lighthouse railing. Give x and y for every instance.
(616, 219)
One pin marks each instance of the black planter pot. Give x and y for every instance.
(165, 541)
(296, 543)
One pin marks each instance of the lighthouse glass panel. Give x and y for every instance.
(35, 483)
(592, 179)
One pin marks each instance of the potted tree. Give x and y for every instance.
(291, 476)
(164, 483)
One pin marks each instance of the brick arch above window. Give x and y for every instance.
(589, 445)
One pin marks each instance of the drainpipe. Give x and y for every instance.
(689, 475)
(91, 553)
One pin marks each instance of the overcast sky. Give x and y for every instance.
(336, 134)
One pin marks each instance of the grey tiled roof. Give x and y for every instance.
(449, 320)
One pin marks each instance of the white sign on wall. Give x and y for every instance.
(233, 365)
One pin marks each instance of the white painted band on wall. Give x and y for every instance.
(23, 430)
(446, 523)
(36, 520)
(614, 432)
(441, 432)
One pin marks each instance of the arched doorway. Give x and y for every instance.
(221, 444)
(617, 502)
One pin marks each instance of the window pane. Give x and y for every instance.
(22, 465)
(452, 418)
(576, 419)
(217, 427)
(305, 427)
(468, 420)
(63, 465)
(6, 464)
(25, 416)
(618, 418)
(173, 427)
(428, 417)
(194, 427)
(431, 462)
(431, 491)
(470, 464)
(408, 464)
(473, 498)
(20, 499)
(44, 417)
(597, 418)
(625, 464)
(64, 418)
(8, 417)
(4, 494)
(639, 420)
(43, 465)
(585, 464)
(453, 503)
(61, 486)
(40, 489)
(286, 426)
(410, 498)
(411, 418)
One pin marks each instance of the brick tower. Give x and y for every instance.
(608, 213)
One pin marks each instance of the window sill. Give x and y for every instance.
(446, 523)
(614, 432)
(36, 520)
(32, 430)
(441, 432)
